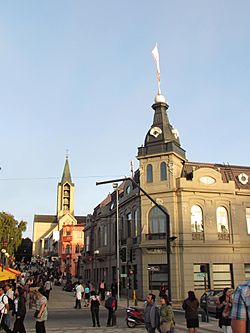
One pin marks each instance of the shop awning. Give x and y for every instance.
(14, 271)
(6, 275)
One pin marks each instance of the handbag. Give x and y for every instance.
(36, 313)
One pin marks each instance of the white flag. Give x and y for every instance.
(156, 56)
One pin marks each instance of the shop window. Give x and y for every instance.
(222, 276)
(201, 277)
(155, 278)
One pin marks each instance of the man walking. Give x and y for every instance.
(4, 308)
(79, 292)
(151, 314)
(240, 313)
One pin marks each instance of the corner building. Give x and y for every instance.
(208, 210)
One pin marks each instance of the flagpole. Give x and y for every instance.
(156, 57)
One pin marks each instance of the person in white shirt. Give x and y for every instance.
(79, 292)
(48, 287)
(4, 308)
(10, 294)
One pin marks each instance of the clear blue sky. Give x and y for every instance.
(79, 75)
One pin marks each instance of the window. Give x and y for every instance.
(136, 223)
(105, 235)
(156, 277)
(79, 234)
(196, 219)
(129, 218)
(67, 249)
(149, 173)
(199, 277)
(87, 243)
(98, 237)
(157, 221)
(163, 171)
(222, 276)
(222, 220)
(247, 271)
(248, 219)
(77, 248)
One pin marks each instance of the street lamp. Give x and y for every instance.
(115, 187)
(3, 252)
(96, 253)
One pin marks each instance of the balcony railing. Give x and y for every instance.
(223, 236)
(197, 235)
(156, 236)
(67, 238)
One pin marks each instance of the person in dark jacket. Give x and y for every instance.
(19, 311)
(111, 306)
(191, 305)
(94, 308)
(223, 310)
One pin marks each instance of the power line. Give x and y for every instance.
(52, 178)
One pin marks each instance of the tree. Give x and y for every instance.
(10, 232)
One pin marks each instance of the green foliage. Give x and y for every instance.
(10, 232)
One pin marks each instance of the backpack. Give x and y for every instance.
(11, 303)
(110, 303)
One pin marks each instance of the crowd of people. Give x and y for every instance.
(232, 308)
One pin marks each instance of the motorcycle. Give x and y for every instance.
(134, 317)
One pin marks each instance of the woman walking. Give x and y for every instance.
(41, 310)
(19, 311)
(191, 305)
(166, 316)
(223, 310)
(94, 308)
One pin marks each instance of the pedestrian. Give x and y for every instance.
(114, 288)
(166, 316)
(162, 290)
(111, 306)
(4, 308)
(41, 314)
(102, 290)
(19, 311)
(94, 308)
(79, 292)
(10, 294)
(86, 294)
(240, 313)
(191, 305)
(223, 310)
(48, 287)
(151, 314)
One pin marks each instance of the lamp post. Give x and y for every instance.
(168, 238)
(115, 187)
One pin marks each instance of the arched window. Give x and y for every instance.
(149, 173)
(157, 221)
(196, 219)
(163, 171)
(222, 220)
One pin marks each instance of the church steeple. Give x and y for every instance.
(65, 192)
(66, 177)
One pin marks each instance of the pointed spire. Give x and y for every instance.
(66, 177)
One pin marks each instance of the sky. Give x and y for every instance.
(79, 76)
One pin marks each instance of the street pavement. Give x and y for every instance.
(63, 318)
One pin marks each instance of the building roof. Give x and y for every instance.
(45, 218)
(66, 177)
(81, 219)
(239, 174)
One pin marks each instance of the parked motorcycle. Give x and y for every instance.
(134, 317)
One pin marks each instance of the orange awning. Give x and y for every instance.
(14, 271)
(6, 275)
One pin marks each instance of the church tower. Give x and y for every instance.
(65, 193)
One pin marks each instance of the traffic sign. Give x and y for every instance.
(123, 275)
(201, 275)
